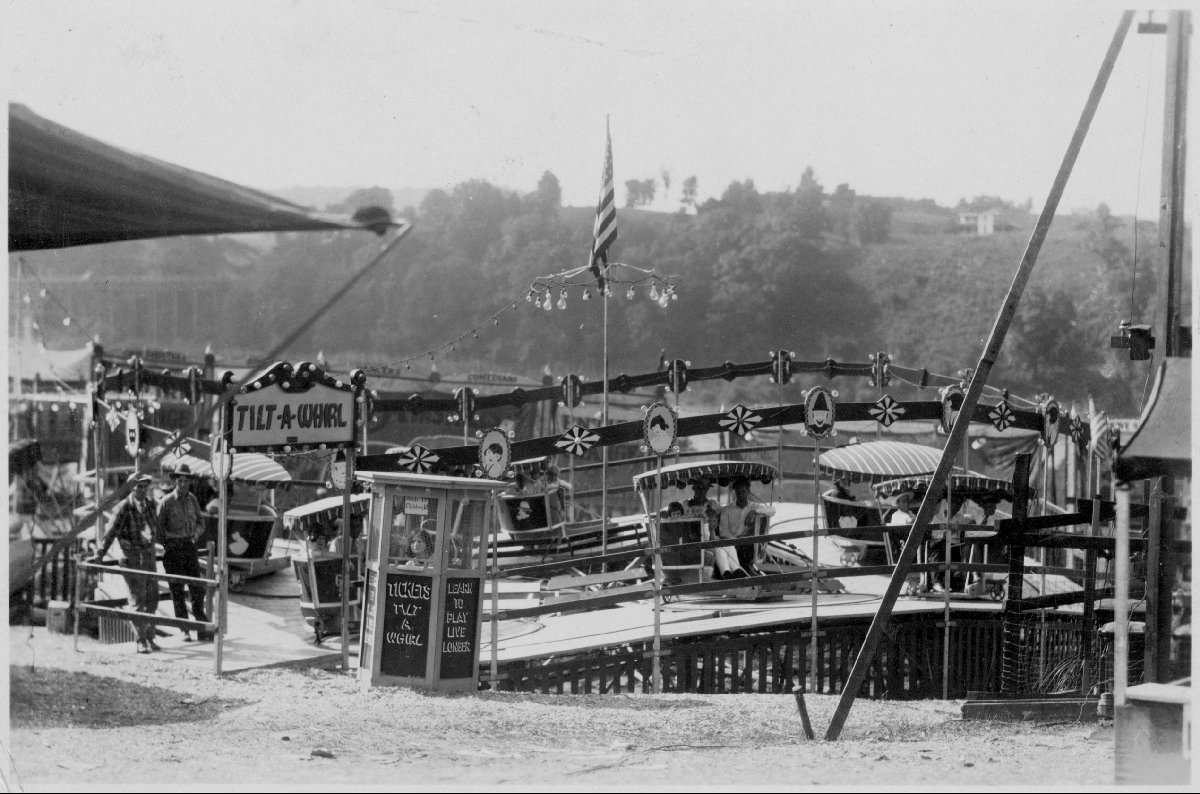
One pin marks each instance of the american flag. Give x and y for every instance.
(1100, 443)
(604, 233)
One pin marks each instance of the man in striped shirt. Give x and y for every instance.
(135, 527)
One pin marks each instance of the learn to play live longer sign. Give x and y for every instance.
(406, 607)
(460, 628)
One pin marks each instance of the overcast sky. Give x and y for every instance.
(924, 100)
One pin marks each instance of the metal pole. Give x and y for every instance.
(1089, 592)
(812, 581)
(987, 359)
(1042, 587)
(222, 561)
(346, 583)
(495, 590)
(656, 522)
(1121, 609)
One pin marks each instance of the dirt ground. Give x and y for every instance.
(97, 720)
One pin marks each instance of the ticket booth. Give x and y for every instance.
(426, 559)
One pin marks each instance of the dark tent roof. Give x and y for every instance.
(67, 189)
(1162, 443)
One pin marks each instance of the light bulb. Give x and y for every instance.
(653, 292)
(587, 294)
(529, 296)
(663, 300)
(562, 299)
(546, 305)
(629, 292)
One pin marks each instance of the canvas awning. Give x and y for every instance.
(875, 461)
(66, 189)
(719, 472)
(248, 467)
(968, 485)
(1163, 441)
(324, 511)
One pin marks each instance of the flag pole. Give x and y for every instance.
(604, 423)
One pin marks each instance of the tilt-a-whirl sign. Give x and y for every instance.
(289, 409)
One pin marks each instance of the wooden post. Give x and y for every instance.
(1121, 607)
(1160, 570)
(1012, 670)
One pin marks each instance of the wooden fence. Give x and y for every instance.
(907, 666)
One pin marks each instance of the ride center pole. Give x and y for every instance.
(656, 522)
(812, 568)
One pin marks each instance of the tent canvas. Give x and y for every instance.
(67, 189)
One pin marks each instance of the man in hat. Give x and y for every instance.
(182, 525)
(135, 527)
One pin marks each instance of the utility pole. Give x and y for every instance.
(1176, 338)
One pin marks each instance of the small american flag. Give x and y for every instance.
(604, 233)
(1100, 443)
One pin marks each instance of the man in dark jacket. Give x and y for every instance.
(181, 521)
(135, 527)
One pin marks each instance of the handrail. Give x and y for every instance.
(172, 577)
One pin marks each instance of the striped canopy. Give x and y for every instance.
(874, 461)
(969, 485)
(720, 472)
(248, 467)
(324, 511)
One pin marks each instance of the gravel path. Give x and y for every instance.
(103, 721)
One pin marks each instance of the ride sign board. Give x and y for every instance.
(290, 409)
(460, 628)
(406, 602)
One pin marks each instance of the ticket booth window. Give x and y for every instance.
(374, 539)
(413, 536)
(465, 541)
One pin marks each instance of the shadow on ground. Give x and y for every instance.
(49, 698)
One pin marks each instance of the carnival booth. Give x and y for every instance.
(318, 567)
(428, 538)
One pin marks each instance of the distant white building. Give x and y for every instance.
(983, 223)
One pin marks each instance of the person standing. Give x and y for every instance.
(559, 491)
(182, 525)
(135, 527)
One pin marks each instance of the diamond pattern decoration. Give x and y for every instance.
(740, 420)
(1002, 416)
(1075, 426)
(886, 410)
(114, 418)
(577, 440)
(419, 459)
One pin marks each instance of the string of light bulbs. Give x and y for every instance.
(662, 288)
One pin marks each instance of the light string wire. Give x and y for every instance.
(44, 291)
(541, 293)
